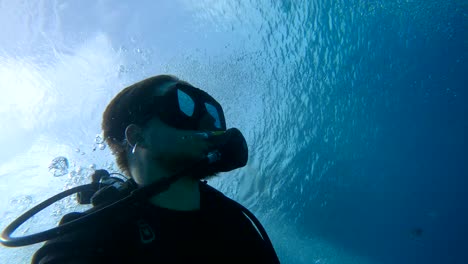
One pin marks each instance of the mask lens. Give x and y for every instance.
(214, 113)
(186, 103)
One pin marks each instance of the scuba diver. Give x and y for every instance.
(158, 128)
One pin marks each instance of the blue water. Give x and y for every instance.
(354, 111)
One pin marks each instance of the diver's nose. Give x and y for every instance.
(207, 122)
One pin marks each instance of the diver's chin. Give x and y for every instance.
(205, 173)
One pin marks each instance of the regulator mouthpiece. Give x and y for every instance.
(230, 152)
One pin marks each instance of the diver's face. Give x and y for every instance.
(173, 148)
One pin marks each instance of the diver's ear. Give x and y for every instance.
(134, 135)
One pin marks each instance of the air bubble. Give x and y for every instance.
(98, 139)
(59, 166)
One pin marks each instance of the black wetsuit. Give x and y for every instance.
(217, 233)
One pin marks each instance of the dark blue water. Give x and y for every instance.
(395, 161)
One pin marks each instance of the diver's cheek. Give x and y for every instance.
(193, 148)
(179, 153)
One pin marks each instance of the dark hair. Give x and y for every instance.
(129, 107)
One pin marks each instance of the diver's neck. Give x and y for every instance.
(182, 195)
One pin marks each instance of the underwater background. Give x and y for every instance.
(355, 113)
